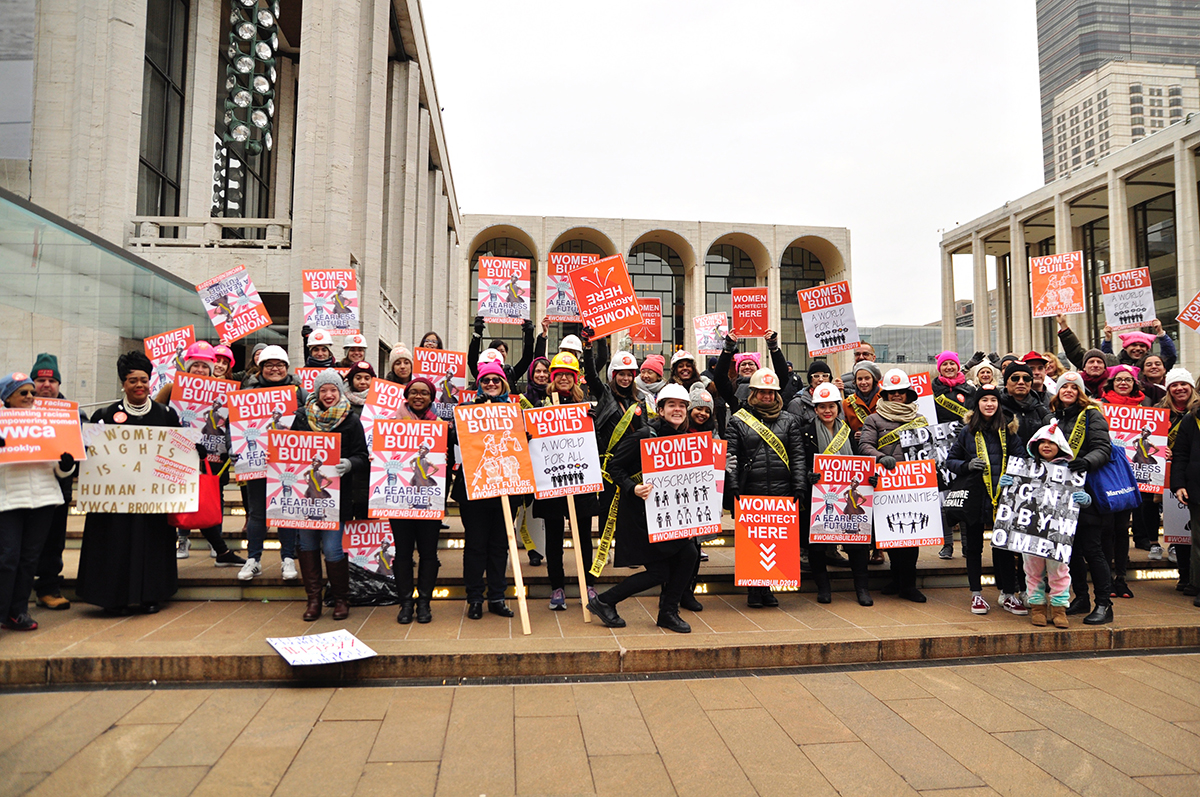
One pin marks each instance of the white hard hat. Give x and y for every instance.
(679, 356)
(623, 361)
(320, 337)
(764, 379)
(895, 379)
(491, 355)
(275, 353)
(826, 392)
(571, 343)
(673, 392)
(355, 342)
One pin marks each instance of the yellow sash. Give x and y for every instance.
(993, 488)
(894, 435)
(618, 432)
(839, 440)
(610, 528)
(952, 406)
(766, 434)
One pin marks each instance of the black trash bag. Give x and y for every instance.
(371, 589)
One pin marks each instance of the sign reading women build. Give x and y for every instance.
(495, 455)
(828, 315)
(303, 488)
(233, 305)
(1142, 432)
(448, 372)
(408, 470)
(1128, 298)
(200, 403)
(560, 296)
(369, 544)
(384, 400)
(1036, 514)
(842, 502)
(503, 296)
(766, 542)
(710, 330)
(684, 501)
(331, 300)
(563, 451)
(605, 296)
(252, 414)
(1057, 282)
(907, 510)
(138, 470)
(42, 433)
(166, 354)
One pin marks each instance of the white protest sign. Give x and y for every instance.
(1128, 298)
(908, 512)
(1036, 514)
(563, 450)
(141, 470)
(828, 316)
(684, 501)
(331, 648)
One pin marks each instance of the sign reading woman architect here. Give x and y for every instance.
(828, 314)
(766, 542)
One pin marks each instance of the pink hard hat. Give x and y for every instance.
(200, 350)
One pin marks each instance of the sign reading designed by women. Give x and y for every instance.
(907, 510)
(1142, 432)
(560, 296)
(448, 372)
(842, 502)
(142, 470)
(233, 305)
(503, 296)
(931, 442)
(166, 354)
(828, 315)
(200, 403)
(252, 414)
(384, 400)
(331, 300)
(408, 469)
(303, 488)
(1036, 514)
(710, 330)
(42, 433)
(1128, 298)
(750, 311)
(495, 453)
(684, 501)
(1057, 282)
(604, 293)
(563, 451)
(650, 330)
(766, 542)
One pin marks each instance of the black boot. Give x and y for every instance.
(339, 585)
(689, 602)
(424, 615)
(1081, 605)
(500, 607)
(475, 610)
(406, 612)
(1102, 614)
(670, 620)
(823, 593)
(754, 597)
(860, 590)
(607, 613)
(768, 598)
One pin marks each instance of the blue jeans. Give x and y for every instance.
(328, 541)
(256, 524)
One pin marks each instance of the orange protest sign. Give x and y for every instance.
(605, 296)
(1057, 284)
(650, 330)
(233, 305)
(495, 454)
(766, 542)
(1190, 315)
(750, 308)
(40, 434)
(560, 296)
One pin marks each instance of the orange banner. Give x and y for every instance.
(750, 309)
(766, 542)
(1057, 282)
(1190, 315)
(650, 330)
(605, 296)
(40, 434)
(495, 453)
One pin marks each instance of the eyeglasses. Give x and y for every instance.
(1020, 378)
(490, 380)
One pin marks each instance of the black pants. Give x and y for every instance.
(1088, 555)
(904, 566)
(212, 534)
(1183, 558)
(1147, 521)
(972, 546)
(859, 556)
(555, 531)
(50, 563)
(22, 532)
(423, 534)
(485, 549)
(1116, 545)
(673, 573)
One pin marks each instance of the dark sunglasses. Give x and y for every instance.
(24, 392)
(1020, 378)
(490, 380)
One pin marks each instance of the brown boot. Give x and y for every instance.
(339, 585)
(1059, 615)
(1037, 614)
(310, 575)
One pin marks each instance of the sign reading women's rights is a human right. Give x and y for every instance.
(1036, 514)
(1142, 432)
(408, 470)
(1057, 284)
(495, 452)
(604, 293)
(563, 450)
(1128, 298)
(233, 305)
(448, 372)
(684, 501)
(828, 315)
(504, 295)
(331, 300)
(138, 470)
(908, 512)
(843, 501)
(166, 354)
(252, 414)
(303, 487)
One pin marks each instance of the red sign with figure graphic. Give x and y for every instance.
(233, 305)
(605, 296)
(750, 309)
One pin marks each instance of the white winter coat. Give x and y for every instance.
(30, 485)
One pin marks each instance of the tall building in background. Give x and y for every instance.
(1076, 37)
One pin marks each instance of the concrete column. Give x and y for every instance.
(284, 151)
(440, 267)
(400, 194)
(419, 310)
(1120, 237)
(457, 317)
(1064, 241)
(1003, 322)
(949, 330)
(196, 176)
(1187, 251)
(1021, 309)
(982, 316)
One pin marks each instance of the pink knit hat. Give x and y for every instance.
(1129, 338)
(1132, 370)
(947, 355)
(494, 368)
(750, 355)
(655, 363)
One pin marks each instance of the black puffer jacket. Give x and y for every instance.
(960, 395)
(963, 451)
(1096, 446)
(753, 467)
(1031, 414)
(1185, 459)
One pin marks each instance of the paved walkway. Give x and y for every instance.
(1104, 726)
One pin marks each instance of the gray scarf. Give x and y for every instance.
(825, 437)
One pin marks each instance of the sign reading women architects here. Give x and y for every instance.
(605, 295)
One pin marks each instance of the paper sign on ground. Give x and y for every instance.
(166, 354)
(921, 383)
(495, 453)
(233, 305)
(40, 434)
(303, 487)
(560, 296)
(1128, 298)
(331, 648)
(684, 501)
(1177, 521)
(750, 311)
(828, 315)
(710, 330)
(503, 295)
(907, 510)
(200, 403)
(383, 402)
(563, 450)
(448, 372)
(650, 330)
(252, 414)
(331, 300)
(1036, 514)
(1190, 315)
(766, 542)
(408, 469)
(605, 296)
(1057, 284)
(370, 545)
(308, 376)
(843, 501)
(122, 475)
(1142, 432)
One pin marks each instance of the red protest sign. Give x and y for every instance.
(605, 296)
(40, 434)
(750, 308)
(1189, 316)
(303, 487)
(331, 300)
(560, 296)
(308, 376)
(766, 542)
(908, 511)
(650, 330)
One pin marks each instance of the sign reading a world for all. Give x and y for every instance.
(710, 330)
(750, 308)
(766, 542)
(1142, 432)
(140, 470)
(200, 403)
(563, 450)
(1036, 514)
(650, 330)
(1128, 298)
(408, 470)
(331, 300)
(383, 402)
(828, 315)
(684, 501)
(448, 372)
(233, 305)
(504, 295)
(1057, 284)
(1177, 521)
(495, 453)
(42, 433)
(165, 352)
(1190, 315)
(842, 502)
(560, 296)
(252, 414)
(605, 296)
(303, 487)
(907, 510)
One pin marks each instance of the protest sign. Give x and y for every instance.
(308, 376)
(720, 460)
(303, 487)
(333, 647)
(931, 442)
(233, 305)
(560, 296)
(1128, 298)
(448, 372)
(921, 383)
(843, 501)
(710, 332)
(253, 413)
(495, 453)
(200, 403)
(408, 469)
(504, 295)
(1177, 521)
(563, 450)
(1189, 316)
(331, 300)
(384, 400)
(650, 330)
(165, 352)
(605, 296)
(140, 470)
(40, 434)
(684, 501)
(828, 316)
(1057, 284)
(750, 312)
(1142, 432)
(369, 545)
(907, 510)
(766, 542)
(1036, 514)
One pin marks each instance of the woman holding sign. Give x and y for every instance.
(1124, 390)
(1185, 483)
(1182, 398)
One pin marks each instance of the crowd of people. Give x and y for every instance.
(775, 421)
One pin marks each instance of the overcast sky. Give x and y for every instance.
(896, 120)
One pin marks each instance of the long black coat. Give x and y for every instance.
(962, 451)
(811, 447)
(1185, 459)
(632, 535)
(1097, 445)
(753, 466)
(960, 395)
(354, 448)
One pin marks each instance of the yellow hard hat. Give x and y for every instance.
(566, 361)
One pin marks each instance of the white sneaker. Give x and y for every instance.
(1171, 555)
(182, 548)
(289, 570)
(249, 570)
(212, 552)
(1155, 554)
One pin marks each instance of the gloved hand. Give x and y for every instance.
(234, 457)
(873, 480)
(305, 331)
(526, 325)
(585, 334)
(978, 355)
(1081, 498)
(976, 465)
(3, 443)
(343, 467)
(995, 358)
(731, 343)
(814, 477)
(201, 451)
(1077, 466)
(888, 463)
(772, 338)
(1006, 480)
(479, 326)
(66, 462)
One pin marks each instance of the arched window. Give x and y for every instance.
(798, 269)
(726, 267)
(657, 271)
(560, 330)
